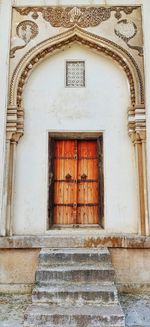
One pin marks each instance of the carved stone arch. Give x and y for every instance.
(48, 47)
(136, 112)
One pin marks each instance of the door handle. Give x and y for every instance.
(68, 176)
(83, 176)
(74, 205)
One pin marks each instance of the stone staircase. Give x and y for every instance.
(74, 288)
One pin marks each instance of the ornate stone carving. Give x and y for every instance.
(26, 30)
(75, 14)
(81, 16)
(138, 137)
(127, 30)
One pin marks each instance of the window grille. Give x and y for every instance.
(75, 73)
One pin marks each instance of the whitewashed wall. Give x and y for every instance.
(22, 219)
(5, 30)
(100, 106)
(146, 26)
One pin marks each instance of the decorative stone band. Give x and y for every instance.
(61, 16)
(12, 119)
(137, 123)
(15, 120)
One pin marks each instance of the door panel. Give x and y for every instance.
(76, 188)
(65, 182)
(87, 183)
(87, 215)
(87, 193)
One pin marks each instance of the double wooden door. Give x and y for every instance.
(76, 182)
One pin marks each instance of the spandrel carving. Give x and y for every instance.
(127, 30)
(26, 31)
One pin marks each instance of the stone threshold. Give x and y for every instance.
(76, 238)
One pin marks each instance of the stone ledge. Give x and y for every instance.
(134, 288)
(16, 288)
(76, 239)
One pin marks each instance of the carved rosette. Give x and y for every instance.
(127, 30)
(26, 31)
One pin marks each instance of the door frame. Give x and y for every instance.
(97, 136)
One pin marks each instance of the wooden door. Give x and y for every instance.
(76, 182)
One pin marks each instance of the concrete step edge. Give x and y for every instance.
(76, 288)
(69, 268)
(49, 309)
(75, 251)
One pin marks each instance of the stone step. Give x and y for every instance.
(73, 256)
(75, 316)
(75, 288)
(47, 324)
(75, 274)
(76, 294)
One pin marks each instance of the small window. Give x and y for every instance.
(75, 73)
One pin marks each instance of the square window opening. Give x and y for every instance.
(75, 73)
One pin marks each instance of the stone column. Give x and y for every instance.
(11, 143)
(137, 132)
(14, 130)
(146, 27)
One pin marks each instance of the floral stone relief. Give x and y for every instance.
(85, 17)
(82, 16)
(119, 24)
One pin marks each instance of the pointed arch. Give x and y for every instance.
(48, 47)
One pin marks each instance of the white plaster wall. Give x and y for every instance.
(100, 106)
(5, 28)
(77, 2)
(146, 26)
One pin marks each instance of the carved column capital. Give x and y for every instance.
(13, 137)
(138, 136)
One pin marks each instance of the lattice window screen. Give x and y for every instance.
(75, 73)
